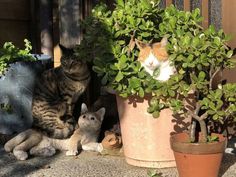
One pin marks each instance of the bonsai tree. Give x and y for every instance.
(199, 56)
(9, 53)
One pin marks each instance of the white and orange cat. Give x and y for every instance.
(154, 56)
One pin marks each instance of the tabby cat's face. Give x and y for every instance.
(70, 63)
(152, 55)
(91, 120)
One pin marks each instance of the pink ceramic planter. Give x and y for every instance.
(145, 139)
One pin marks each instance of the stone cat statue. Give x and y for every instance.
(84, 137)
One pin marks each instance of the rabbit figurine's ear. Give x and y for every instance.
(164, 41)
(84, 108)
(140, 44)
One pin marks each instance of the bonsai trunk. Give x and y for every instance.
(203, 131)
(201, 120)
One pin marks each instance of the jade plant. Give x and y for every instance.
(198, 55)
(9, 53)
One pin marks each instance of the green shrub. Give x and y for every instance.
(10, 54)
(109, 41)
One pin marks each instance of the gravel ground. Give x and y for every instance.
(89, 164)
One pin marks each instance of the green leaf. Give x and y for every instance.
(141, 74)
(171, 93)
(181, 71)
(161, 106)
(150, 109)
(215, 117)
(201, 76)
(186, 40)
(134, 82)
(153, 173)
(156, 72)
(141, 92)
(195, 41)
(156, 114)
(119, 76)
(229, 54)
(172, 22)
(212, 29)
(212, 105)
(217, 41)
(120, 3)
(212, 138)
(211, 112)
(97, 69)
(104, 79)
(145, 34)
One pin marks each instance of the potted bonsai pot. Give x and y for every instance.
(199, 56)
(109, 41)
(18, 72)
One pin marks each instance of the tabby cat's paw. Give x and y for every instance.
(71, 152)
(20, 155)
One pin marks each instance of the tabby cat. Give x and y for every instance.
(85, 137)
(155, 57)
(56, 93)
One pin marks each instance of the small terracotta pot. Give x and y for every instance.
(197, 159)
(146, 139)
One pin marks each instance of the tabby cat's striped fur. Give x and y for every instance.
(56, 93)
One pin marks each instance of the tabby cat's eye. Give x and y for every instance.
(92, 118)
(84, 116)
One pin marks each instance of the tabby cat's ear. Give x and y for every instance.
(84, 108)
(164, 41)
(66, 51)
(101, 113)
(140, 44)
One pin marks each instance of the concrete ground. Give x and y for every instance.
(89, 164)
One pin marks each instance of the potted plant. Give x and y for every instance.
(109, 41)
(18, 71)
(195, 93)
(192, 93)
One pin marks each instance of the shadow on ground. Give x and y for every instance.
(229, 160)
(228, 166)
(9, 166)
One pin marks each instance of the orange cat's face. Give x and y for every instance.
(151, 55)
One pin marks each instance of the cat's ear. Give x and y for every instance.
(164, 41)
(66, 51)
(140, 44)
(84, 108)
(101, 113)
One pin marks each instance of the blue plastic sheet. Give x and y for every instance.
(16, 89)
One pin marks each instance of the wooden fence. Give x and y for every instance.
(15, 21)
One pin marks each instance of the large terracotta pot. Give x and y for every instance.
(197, 159)
(146, 139)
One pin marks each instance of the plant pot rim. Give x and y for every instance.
(179, 143)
